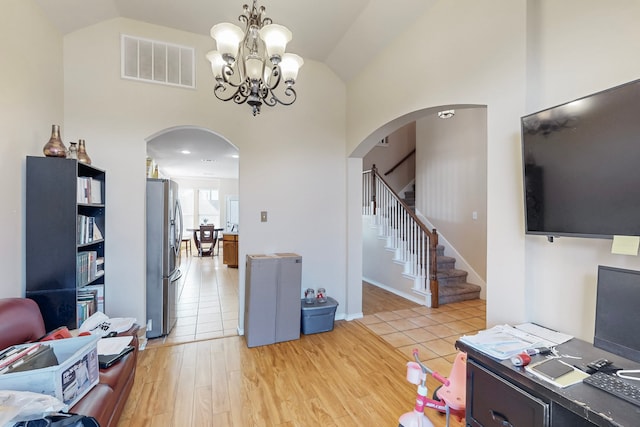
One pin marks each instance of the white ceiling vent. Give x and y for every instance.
(157, 62)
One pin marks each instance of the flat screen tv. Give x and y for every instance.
(617, 312)
(581, 163)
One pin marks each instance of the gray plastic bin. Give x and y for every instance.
(317, 317)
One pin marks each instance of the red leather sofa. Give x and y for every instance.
(21, 322)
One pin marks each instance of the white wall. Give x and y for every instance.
(292, 157)
(463, 52)
(585, 47)
(451, 172)
(493, 53)
(399, 144)
(31, 101)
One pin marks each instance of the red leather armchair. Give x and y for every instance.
(21, 322)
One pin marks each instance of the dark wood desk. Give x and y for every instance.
(498, 392)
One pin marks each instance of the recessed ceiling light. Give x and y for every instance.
(447, 114)
(235, 156)
(186, 152)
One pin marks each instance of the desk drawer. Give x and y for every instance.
(494, 402)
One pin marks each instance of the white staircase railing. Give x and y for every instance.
(415, 244)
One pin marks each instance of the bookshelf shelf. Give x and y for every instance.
(65, 230)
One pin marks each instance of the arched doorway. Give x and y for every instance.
(450, 186)
(205, 167)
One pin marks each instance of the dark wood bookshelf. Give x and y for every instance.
(53, 238)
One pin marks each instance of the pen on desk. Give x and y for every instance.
(539, 350)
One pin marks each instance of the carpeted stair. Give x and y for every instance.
(410, 198)
(453, 286)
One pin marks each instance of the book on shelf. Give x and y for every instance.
(96, 191)
(99, 266)
(87, 230)
(81, 191)
(99, 294)
(88, 267)
(97, 234)
(87, 304)
(89, 190)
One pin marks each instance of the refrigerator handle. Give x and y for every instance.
(179, 226)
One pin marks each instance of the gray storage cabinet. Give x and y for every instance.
(272, 298)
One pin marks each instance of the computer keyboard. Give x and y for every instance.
(615, 386)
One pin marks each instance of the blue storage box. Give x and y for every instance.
(317, 317)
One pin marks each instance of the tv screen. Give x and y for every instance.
(581, 163)
(617, 312)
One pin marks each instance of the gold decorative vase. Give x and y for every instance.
(55, 147)
(83, 157)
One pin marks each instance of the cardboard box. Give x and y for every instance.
(318, 317)
(76, 373)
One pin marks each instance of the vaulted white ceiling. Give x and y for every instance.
(344, 34)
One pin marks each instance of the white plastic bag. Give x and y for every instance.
(25, 405)
(99, 324)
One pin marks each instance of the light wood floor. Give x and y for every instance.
(351, 376)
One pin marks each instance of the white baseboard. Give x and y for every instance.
(355, 316)
(395, 291)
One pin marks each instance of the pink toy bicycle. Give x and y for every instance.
(449, 398)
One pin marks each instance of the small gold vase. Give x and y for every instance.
(83, 157)
(55, 147)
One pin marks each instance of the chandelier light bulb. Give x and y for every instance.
(254, 66)
(217, 62)
(289, 66)
(275, 39)
(228, 38)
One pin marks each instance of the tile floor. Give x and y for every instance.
(433, 331)
(208, 303)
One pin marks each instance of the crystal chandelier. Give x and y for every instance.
(250, 64)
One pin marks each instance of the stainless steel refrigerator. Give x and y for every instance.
(164, 235)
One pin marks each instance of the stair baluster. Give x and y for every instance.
(415, 242)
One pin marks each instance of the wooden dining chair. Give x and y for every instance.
(206, 239)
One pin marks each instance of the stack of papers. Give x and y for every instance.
(501, 342)
(504, 341)
(113, 345)
(550, 337)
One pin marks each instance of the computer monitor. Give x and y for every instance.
(618, 312)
